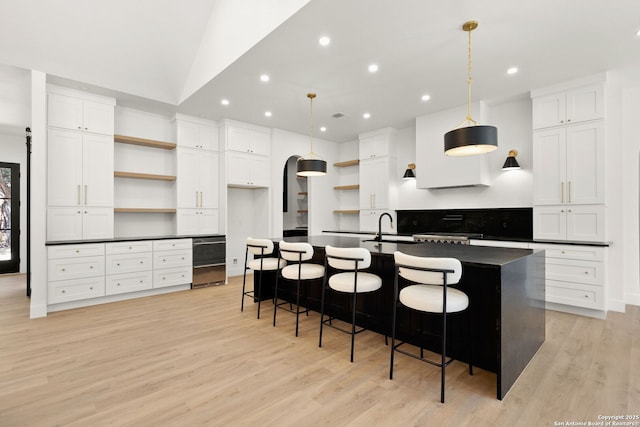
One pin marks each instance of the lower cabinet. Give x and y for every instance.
(77, 223)
(84, 271)
(585, 223)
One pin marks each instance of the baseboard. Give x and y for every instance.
(616, 305)
(580, 311)
(38, 310)
(632, 299)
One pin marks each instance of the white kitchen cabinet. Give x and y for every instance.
(369, 220)
(585, 223)
(197, 178)
(79, 223)
(75, 272)
(129, 267)
(247, 170)
(375, 183)
(571, 106)
(172, 262)
(248, 140)
(197, 221)
(70, 112)
(79, 169)
(374, 146)
(192, 134)
(569, 165)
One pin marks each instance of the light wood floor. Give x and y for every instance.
(192, 358)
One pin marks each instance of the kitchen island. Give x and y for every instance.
(506, 293)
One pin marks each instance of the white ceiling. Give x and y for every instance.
(143, 52)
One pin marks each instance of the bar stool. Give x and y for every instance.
(260, 247)
(352, 281)
(429, 293)
(296, 253)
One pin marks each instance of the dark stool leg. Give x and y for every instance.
(244, 278)
(444, 357)
(324, 288)
(353, 325)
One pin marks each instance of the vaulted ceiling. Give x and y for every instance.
(168, 56)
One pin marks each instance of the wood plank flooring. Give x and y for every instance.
(192, 358)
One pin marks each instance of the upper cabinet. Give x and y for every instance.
(193, 133)
(248, 150)
(374, 146)
(570, 106)
(87, 115)
(248, 140)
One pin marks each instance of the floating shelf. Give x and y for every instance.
(347, 211)
(144, 210)
(144, 142)
(303, 193)
(302, 211)
(347, 187)
(347, 163)
(136, 175)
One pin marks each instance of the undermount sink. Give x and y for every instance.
(408, 242)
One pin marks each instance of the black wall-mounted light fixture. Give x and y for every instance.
(409, 173)
(469, 138)
(511, 163)
(313, 165)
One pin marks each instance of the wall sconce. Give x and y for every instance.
(409, 173)
(511, 163)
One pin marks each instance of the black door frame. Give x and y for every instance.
(13, 265)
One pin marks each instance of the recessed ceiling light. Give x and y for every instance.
(638, 33)
(267, 113)
(373, 68)
(224, 102)
(324, 41)
(366, 115)
(264, 78)
(512, 70)
(323, 129)
(426, 97)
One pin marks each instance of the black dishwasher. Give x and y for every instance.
(209, 261)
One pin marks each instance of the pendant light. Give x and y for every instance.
(313, 165)
(469, 138)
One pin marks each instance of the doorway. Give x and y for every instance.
(295, 212)
(9, 217)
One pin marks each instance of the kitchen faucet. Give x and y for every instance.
(378, 237)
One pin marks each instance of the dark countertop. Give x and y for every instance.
(129, 239)
(467, 254)
(484, 237)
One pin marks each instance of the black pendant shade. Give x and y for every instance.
(311, 167)
(470, 140)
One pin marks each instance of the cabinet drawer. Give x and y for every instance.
(569, 270)
(172, 277)
(75, 268)
(172, 259)
(70, 251)
(590, 253)
(128, 263)
(170, 244)
(76, 289)
(128, 247)
(575, 294)
(128, 282)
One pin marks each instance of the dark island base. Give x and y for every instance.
(506, 309)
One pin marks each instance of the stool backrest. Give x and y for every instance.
(259, 246)
(345, 258)
(291, 251)
(428, 277)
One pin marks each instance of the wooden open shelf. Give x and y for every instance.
(347, 211)
(144, 210)
(136, 175)
(303, 193)
(144, 142)
(302, 211)
(347, 163)
(347, 187)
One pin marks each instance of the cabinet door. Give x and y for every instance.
(187, 221)
(586, 223)
(64, 223)
(65, 112)
(381, 196)
(367, 184)
(239, 139)
(585, 163)
(208, 137)
(208, 179)
(208, 221)
(549, 110)
(549, 163)
(76, 289)
(585, 103)
(549, 223)
(97, 170)
(64, 168)
(238, 169)
(368, 220)
(97, 223)
(187, 134)
(97, 117)
(187, 192)
(260, 174)
(374, 146)
(260, 143)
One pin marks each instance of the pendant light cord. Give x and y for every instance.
(311, 96)
(468, 121)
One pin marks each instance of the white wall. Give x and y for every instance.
(507, 189)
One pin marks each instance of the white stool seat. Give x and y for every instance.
(267, 263)
(307, 271)
(429, 298)
(344, 282)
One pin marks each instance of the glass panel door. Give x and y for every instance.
(9, 217)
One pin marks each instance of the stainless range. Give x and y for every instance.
(455, 238)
